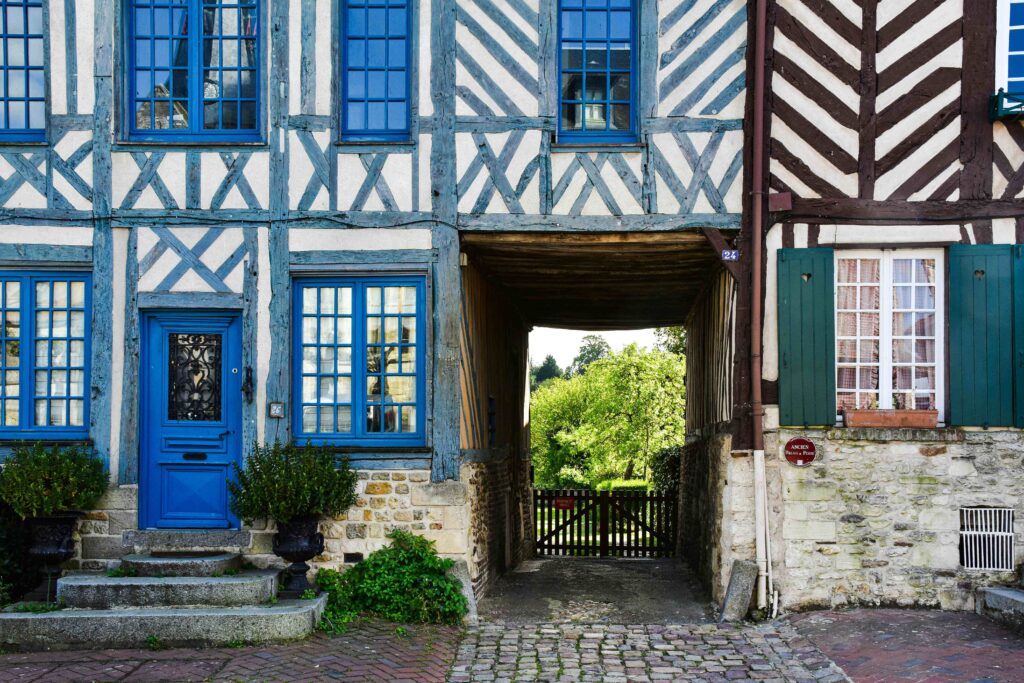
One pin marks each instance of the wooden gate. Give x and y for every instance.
(604, 524)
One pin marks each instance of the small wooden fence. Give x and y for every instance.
(604, 524)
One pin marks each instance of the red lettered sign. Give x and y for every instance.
(800, 452)
(565, 503)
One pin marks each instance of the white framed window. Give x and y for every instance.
(889, 329)
(1010, 46)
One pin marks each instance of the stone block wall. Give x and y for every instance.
(875, 519)
(501, 514)
(716, 522)
(99, 531)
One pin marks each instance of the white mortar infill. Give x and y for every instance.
(358, 239)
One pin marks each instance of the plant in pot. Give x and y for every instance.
(50, 488)
(903, 414)
(295, 486)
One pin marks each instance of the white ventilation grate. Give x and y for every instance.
(986, 538)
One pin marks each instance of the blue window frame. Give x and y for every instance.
(193, 70)
(359, 361)
(44, 366)
(375, 66)
(1015, 48)
(597, 65)
(22, 76)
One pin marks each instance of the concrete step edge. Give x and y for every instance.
(104, 592)
(177, 626)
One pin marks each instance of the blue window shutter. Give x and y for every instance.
(807, 347)
(981, 335)
(597, 94)
(376, 65)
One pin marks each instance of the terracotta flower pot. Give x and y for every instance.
(891, 419)
(298, 541)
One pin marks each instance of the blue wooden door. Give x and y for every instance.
(191, 397)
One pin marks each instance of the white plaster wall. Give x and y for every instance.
(357, 239)
(38, 234)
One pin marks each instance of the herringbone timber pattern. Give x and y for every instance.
(919, 61)
(702, 44)
(815, 102)
(497, 48)
(1008, 160)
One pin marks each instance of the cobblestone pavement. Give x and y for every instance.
(505, 652)
(368, 652)
(916, 646)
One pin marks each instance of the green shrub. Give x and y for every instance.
(37, 481)
(282, 482)
(665, 469)
(405, 582)
(623, 485)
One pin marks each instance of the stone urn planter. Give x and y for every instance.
(892, 418)
(52, 544)
(298, 541)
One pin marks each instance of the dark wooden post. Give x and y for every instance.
(604, 523)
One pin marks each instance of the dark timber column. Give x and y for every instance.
(447, 281)
(979, 65)
(868, 93)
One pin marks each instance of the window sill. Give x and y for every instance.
(415, 450)
(885, 434)
(375, 145)
(122, 145)
(620, 147)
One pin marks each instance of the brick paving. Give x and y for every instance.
(916, 646)
(370, 651)
(500, 652)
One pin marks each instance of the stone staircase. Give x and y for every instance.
(170, 598)
(1004, 604)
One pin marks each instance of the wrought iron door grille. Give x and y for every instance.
(987, 538)
(194, 378)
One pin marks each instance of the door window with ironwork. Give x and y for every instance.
(194, 377)
(359, 360)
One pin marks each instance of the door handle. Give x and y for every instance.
(247, 385)
(194, 456)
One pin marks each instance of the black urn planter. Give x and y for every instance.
(52, 544)
(298, 541)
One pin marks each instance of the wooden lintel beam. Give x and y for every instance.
(714, 236)
(887, 212)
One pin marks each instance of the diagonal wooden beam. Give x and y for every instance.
(714, 237)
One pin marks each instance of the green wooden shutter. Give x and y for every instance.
(807, 346)
(981, 335)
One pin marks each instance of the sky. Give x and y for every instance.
(565, 344)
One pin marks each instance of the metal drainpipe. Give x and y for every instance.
(757, 231)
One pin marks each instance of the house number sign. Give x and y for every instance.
(800, 452)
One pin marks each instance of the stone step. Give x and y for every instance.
(1003, 604)
(178, 540)
(181, 564)
(70, 629)
(84, 591)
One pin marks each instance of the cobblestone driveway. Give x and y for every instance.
(501, 652)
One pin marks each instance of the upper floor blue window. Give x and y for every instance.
(359, 361)
(597, 64)
(375, 68)
(193, 70)
(22, 79)
(44, 365)
(1011, 35)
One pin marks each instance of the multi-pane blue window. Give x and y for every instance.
(193, 69)
(22, 82)
(44, 365)
(359, 360)
(375, 68)
(597, 62)
(1015, 51)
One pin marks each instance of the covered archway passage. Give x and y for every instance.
(596, 281)
(513, 282)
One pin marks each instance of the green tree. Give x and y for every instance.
(547, 370)
(610, 421)
(671, 339)
(593, 348)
